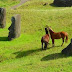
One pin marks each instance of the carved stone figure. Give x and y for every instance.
(63, 3)
(68, 50)
(2, 17)
(15, 28)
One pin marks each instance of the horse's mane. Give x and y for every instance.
(51, 30)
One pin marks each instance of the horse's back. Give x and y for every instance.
(64, 33)
(45, 38)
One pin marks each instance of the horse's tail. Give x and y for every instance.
(66, 38)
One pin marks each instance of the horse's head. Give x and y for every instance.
(49, 28)
(46, 30)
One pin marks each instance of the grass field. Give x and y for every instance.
(24, 54)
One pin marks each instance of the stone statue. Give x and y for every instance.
(68, 50)
(15, 28)
(2, 17)
(63, 3)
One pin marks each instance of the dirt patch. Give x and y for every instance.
(22, 2)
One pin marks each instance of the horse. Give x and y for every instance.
(58, 35)
(45, 39)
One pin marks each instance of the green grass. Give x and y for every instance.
(24, 54)
(8, 3)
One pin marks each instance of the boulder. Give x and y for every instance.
(63, 3)
(15, 28)
(2, 17)
(68, 50)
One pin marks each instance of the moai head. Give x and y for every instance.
(71, 41)
(2, 17)
(14, 29)
(11, 29)
(63, 3)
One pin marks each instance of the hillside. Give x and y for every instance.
(24, 54)
(8, 3)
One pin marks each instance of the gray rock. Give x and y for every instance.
(68, 50)
(15, 28)
(63, 3)
(2, 17)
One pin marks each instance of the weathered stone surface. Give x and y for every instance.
(63, 3)
(15, 28)
(68, 50)
(2, 17)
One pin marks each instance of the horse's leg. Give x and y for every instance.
(45, 47)
(42, 45)
(53, 42)
(63, 41)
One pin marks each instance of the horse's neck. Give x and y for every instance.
(46, 32)
(51, 32)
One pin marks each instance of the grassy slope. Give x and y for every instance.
(8, 3)
(24, 54)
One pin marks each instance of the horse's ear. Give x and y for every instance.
(47, 26)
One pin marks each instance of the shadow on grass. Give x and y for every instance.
(53, 5)
(53, 56)
(26, 53)
(4, 39)
(21, 54)
(53, 47)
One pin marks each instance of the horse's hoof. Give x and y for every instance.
(61, 45)
(44, 48)
(52, 46)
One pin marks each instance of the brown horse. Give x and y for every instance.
(58, 35)
(45, 39)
